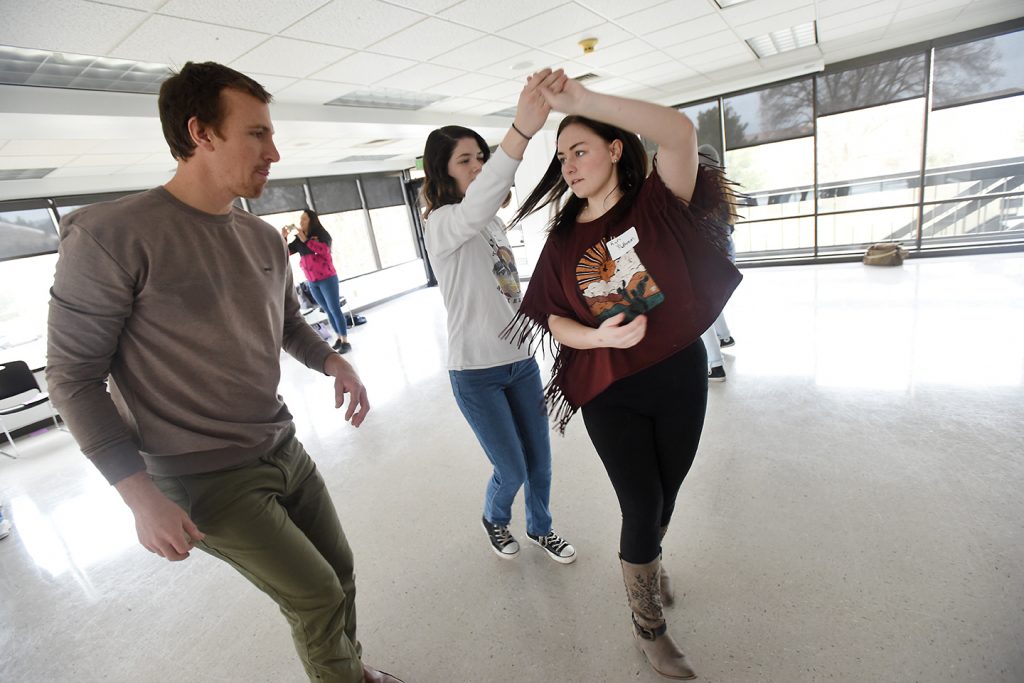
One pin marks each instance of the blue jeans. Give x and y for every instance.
(329, 298)
(505, 407)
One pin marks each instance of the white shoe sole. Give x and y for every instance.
(504, 556)
(556, 558)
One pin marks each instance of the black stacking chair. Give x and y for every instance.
(16, 378)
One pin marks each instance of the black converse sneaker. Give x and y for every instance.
(502, 543)
(558, 548)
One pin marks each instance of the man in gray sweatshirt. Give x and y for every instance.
(184, 302)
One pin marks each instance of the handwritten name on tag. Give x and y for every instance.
(617, 246)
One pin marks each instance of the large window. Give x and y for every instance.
(923, 145)
(389, 217)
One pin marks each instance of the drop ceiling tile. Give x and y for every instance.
(501, 91)
(169, 40)
(266, 16)
(66, 25)
(150, 145)
(698, 45)
(464, 85)
(720, 58)
(749, 12)
(420, 77)
(289, 57)
(47, 147)
(613, 9)
(490, 16)
(427, 39)
(353, 23)
(611, 85)
(608, 35)
(835, 27)
(453, 104)
(35, 161)
(106, 160)
(485, 109)
(428, 6)
(552, 25)
(364, 68)
(663, 73)
(616, 53)
(694, 29)
(88, 171)
(313, 92)
(522, 64)
(479, 53)
(936, 11)
(270, 82)
(658, 17)
(775, 22)
(627, 67)
(851, 15)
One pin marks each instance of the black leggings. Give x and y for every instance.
(646, 428)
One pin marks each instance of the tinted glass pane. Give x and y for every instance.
(979, 70)
(381, 191)
(890, 81)
(277, 198)
(984, 218)
(790, 236)
(23, 307)
(335, 194)
(778, 178)
(976, 149)
(780, 112)
(352, 250)
(707, 118)
(867, 227)
(393, 232)
(26, 231)
(853, 175)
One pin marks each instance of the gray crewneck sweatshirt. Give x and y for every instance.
(476, 269)
(186, 313)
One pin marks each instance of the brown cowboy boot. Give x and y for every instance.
(643, 589)
(668, 596)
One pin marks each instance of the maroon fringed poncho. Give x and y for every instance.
(676, 272)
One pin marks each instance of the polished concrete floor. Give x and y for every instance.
(855, 513)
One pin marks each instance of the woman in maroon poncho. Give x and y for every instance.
(634, 270)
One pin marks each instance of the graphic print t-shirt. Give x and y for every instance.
(612, 285)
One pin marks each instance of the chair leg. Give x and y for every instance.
(11, 441)
(53, 416)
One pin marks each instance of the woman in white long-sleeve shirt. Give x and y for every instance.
(497, 386)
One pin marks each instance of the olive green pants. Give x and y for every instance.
(274, 522)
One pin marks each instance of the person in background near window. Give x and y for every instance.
(633, 270)
(187, 314)
(497, 386)
(718, 336)
(313, 242)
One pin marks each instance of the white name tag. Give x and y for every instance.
(617, 246)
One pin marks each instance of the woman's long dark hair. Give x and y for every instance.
(632, 169)
(316, 228)
(439, 188)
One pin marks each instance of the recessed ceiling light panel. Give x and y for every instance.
(787, 39)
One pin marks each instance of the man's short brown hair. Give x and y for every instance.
(195, 91)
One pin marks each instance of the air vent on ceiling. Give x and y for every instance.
(24, 173)
(365, 157)
(386, 98)
(585, 77)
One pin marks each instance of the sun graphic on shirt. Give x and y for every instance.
(596, 265)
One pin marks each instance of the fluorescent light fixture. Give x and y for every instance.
(25, 173)
(365, 157)
(22, 66)
(785, 40)
(386, 98)
(728, 3)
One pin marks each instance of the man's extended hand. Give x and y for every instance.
(346, 381)
(163, 527)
